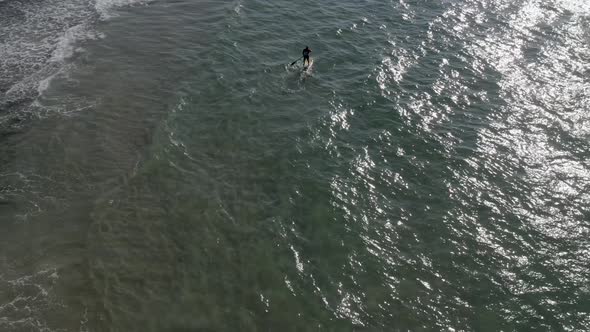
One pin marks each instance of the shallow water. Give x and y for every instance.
(163, 168)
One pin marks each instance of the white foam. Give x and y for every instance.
(237, 5)
(578, 7)
(41, 37)
(65, 48)
(105, 8)
(44, 83)
(23, 307)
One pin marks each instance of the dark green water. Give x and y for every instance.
(163, 168)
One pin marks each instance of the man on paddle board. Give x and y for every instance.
(306, 52)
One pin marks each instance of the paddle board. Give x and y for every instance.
(308, 67)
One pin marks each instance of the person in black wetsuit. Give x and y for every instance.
(306, 52)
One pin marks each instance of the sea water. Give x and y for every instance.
(164, 168)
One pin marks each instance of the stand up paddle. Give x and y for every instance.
(294, 62)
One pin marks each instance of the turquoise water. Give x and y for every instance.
(163, 168)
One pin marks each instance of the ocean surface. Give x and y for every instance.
(164, 168)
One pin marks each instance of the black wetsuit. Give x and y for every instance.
(306, 52)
